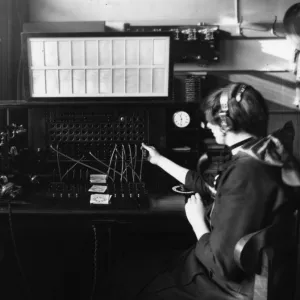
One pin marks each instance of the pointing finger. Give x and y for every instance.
(145, 147)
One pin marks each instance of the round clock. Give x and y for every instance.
(181, 119)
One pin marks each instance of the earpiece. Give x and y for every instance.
(240, 91)
(223, 114)
(227, 94)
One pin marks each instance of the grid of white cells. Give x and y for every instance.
(99, 67)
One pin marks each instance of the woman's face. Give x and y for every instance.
(217, 132)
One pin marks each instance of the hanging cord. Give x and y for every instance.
(111, 158)
(115, 168)
(128, 165)
(135, 156)
(94, 262)
(58, 163)
(125, 163)
(25, 283)
(131, 162)
(71, 168)
(77, 161)
(122, 165)
(141, 167)
(104, 164)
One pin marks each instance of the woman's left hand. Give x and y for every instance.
(195, 214)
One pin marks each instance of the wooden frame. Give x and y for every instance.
(51, 64)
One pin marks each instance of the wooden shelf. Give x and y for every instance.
(24, 103)
(185, 129)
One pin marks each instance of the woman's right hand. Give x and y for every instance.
(153, 156)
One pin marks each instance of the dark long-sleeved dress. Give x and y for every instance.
(249, 196)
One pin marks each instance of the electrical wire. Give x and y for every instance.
(58, 164)
(72, 167)
(131, 161)
(141, 167)
(135, 156)
(115, 167)
(122, 164)
(81, 163)
(125, 164)
(26, 285)
(104, 164)
(101, 162)
(111, 158)
(256, 28)
(128, 165)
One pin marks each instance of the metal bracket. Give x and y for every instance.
(273, 28)
(240, 26)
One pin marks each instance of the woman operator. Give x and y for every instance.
(248, 193)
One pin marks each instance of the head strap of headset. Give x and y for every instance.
(224, 103)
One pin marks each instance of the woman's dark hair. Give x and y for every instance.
(249, 114)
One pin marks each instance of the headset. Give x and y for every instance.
(226, 95)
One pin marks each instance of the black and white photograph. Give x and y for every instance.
(149, 150)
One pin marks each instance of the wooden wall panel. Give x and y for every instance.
(12, 14)
(4, 49)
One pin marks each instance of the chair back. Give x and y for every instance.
(271, 254)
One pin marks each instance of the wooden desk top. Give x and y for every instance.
(156, 204)
(165, 213)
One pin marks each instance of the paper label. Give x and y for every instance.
(98, 178)
(98, 188)
(100, 198)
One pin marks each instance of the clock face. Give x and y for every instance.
(181, 119)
